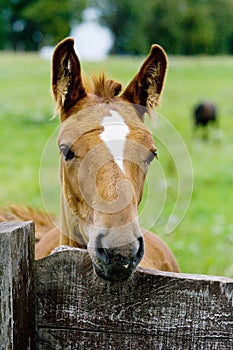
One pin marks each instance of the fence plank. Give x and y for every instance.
(17, 287)
(153, 310)
(81, 340)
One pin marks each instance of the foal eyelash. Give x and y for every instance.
(67, 152)
(153, 154)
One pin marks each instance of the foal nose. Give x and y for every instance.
(118, 263)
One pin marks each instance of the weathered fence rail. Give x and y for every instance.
(59, 303)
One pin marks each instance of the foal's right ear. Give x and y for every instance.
(67, 85)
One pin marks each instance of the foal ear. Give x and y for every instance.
(67, 85)
(146, 87)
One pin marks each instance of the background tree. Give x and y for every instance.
(181, 27)
(54, 18)
(15, 30)
(222, 13)
(197, 30)
(127, 19)
(28, 24)
(165, 24)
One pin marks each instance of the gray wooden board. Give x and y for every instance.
(63, 339)
(152, 310)
(17, 288)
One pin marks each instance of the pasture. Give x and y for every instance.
(203, 241)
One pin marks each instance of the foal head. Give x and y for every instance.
(105, 151)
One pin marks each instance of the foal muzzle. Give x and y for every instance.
(117, 264)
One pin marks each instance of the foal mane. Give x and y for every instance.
(102, 87)
(99, 85)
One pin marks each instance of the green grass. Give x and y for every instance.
(203, 241)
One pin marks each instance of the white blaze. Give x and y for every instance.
(114, 136)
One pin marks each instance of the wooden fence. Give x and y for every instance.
(59, 303)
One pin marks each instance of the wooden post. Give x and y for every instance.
(17, 287)
(152, 310)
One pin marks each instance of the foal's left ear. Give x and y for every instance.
(67, 85)
(146, 87)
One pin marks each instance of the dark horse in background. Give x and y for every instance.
(205, 113)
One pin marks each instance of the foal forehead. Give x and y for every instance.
(115, 129)
(109, 122)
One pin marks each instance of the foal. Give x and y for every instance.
(105, 153)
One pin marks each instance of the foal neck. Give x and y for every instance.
(70, 228)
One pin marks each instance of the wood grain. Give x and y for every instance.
(78, 310)
(17, 287)
(153, 310)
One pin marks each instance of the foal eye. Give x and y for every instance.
(152, 156)
(67, 153)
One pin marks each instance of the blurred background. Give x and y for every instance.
(184, 27)
(115, 36)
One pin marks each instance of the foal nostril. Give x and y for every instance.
(102, 254)
(140, 251)
(111, 256)
(100, 251)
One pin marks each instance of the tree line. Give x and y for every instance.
(185, 27)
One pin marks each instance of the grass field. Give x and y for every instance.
(203, 241)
